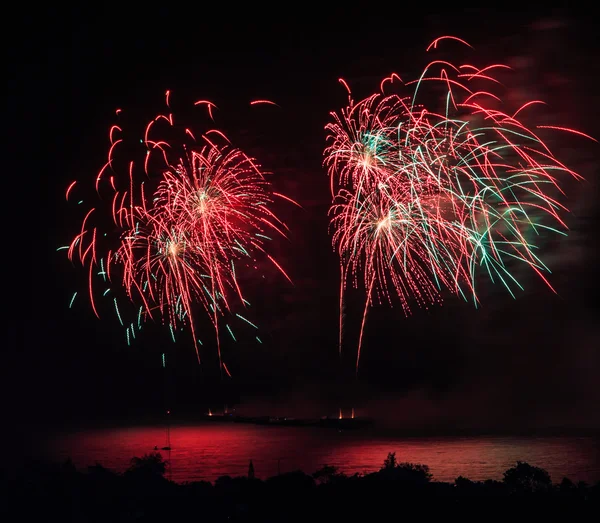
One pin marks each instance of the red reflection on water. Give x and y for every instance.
(205, 452)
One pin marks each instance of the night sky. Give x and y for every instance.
(510, 365)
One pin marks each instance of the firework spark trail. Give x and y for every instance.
(183, 225)
(430, 188)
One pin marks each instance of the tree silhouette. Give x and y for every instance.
(463, 483)
(408, 472)
(149, 466)
(566, 485)
(527, 478)
(390, 462)
(326, 474)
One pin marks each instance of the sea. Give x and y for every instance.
(206, 451)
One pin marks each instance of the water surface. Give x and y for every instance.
(207, 451)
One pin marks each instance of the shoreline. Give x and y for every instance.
(368, 426)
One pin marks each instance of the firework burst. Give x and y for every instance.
(436, 183)
(181, 226)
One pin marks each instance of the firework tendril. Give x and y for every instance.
(433, 183)
(182, 224)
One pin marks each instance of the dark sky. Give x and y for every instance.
(530, 362)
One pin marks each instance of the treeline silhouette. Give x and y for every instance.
(59, 492)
